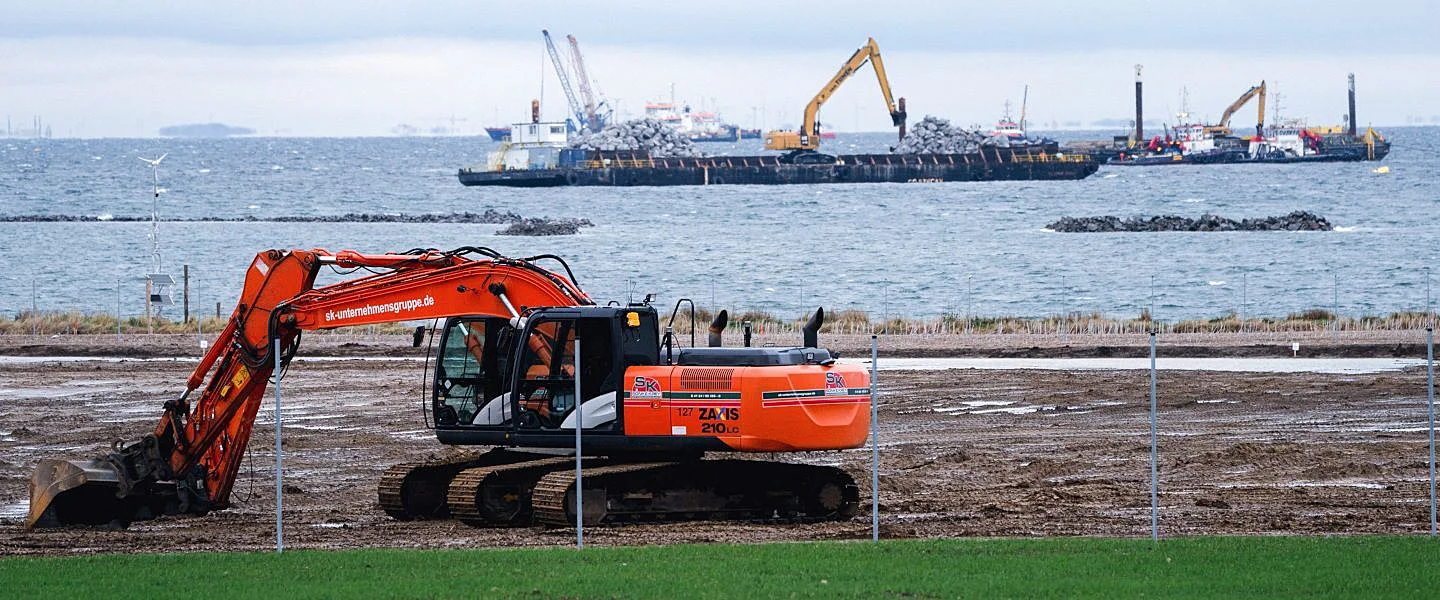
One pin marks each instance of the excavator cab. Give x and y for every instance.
(498, 384)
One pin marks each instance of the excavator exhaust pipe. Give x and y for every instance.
(65, 492)
(717, 327)
(812, 328)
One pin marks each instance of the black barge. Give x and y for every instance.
(627, 168)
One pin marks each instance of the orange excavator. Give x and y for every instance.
(505, 375)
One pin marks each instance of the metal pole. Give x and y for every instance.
(1430, 401)
(969, 301)
(1152, 299)
(1244, 298)
(885, 310)
(874, 438)
(117, 309)
(1064, 312)
(1335, 305)
(279, 470)
(149, 289)
(185, 276)
(1154, 452)
(579, 486)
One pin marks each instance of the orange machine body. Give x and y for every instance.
(750, 408)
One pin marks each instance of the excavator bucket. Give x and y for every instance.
(66, 492)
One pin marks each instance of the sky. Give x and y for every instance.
(91, 68)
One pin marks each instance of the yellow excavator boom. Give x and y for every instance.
(808, 138)
(1223, 128)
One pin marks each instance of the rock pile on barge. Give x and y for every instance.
(639, 135)
(1295, 221)
(933, 135)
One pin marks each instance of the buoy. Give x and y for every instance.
(1382, 170)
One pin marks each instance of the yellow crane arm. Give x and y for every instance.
(809, 135)
(1258, 90)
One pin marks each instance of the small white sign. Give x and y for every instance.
(677, 430)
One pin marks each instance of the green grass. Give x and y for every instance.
(1215, 567)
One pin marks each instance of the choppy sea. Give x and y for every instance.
(917, 250)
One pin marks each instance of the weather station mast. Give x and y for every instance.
(159, 285)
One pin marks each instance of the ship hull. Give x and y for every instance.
(990, 165)
(1338, 154)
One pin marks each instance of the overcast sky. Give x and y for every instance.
(94, 68)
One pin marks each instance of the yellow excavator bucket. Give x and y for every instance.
(64, 492)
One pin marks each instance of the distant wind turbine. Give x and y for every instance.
(154, 162)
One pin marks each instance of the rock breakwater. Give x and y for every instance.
(1296, 221)
(518, 225)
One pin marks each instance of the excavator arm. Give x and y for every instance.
(188, 464)
(808, 138)
(1223, 128)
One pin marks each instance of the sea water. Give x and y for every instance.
(914, 250)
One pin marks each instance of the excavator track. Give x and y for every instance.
(420, 490)
(698, 490)
(499, 495)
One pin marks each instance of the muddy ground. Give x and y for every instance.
(963, 452)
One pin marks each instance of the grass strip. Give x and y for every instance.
(1207, 567)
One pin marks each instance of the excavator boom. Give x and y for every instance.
(808, 138)
(1223, 128)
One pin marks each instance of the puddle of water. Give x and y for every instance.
(40, 393)
(972, 404)
(1350, 484)
(1013, 410)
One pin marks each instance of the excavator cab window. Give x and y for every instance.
(469, 380)
(547, 367)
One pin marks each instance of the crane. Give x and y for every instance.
(597, 114)
(513, 378)
(563, 73)
(1223, 128)
(802, 144)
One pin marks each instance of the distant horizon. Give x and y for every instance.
(1156, 126)
(95, 69)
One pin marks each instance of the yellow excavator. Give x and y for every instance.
(801, 145)
(1223, 128)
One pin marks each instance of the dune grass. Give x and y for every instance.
(848, 321)
(1212, 567)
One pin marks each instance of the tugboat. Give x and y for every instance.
(1006, 126)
